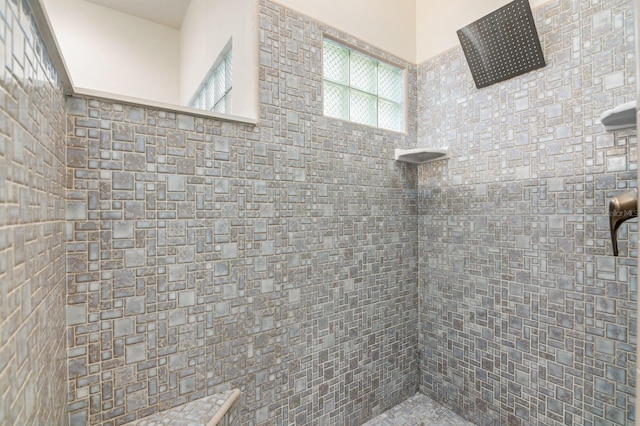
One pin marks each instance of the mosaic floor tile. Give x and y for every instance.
(418, 411)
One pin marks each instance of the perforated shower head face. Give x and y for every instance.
(502, 44)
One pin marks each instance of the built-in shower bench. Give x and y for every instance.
(214, 410)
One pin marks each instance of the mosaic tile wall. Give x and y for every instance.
(280, 259)
(33, 379)
(526, 318)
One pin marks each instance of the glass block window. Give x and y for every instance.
(360, 88)
(214, 94)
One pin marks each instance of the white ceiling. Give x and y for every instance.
(166, 12)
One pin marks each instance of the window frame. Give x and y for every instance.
(328, 82)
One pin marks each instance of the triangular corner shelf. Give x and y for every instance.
(621, 117)
(420, 155)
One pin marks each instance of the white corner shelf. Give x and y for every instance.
(420, 155)
(621, 117)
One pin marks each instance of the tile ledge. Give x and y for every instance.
(113, 97)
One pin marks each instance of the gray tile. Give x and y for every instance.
(295, 258)
(418, 411)
(34, 207)
(519, 293)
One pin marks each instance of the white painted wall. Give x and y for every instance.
(437, 22)
(113, 52)
(414, 30)
(207, 27)
(387, 24)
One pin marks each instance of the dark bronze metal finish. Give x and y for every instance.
(622, 207)
(502, 44)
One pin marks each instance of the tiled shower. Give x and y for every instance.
(297, 261)
(525, 316)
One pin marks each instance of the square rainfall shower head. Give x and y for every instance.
(502, 44)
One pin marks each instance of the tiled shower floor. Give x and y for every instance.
(418, 411)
